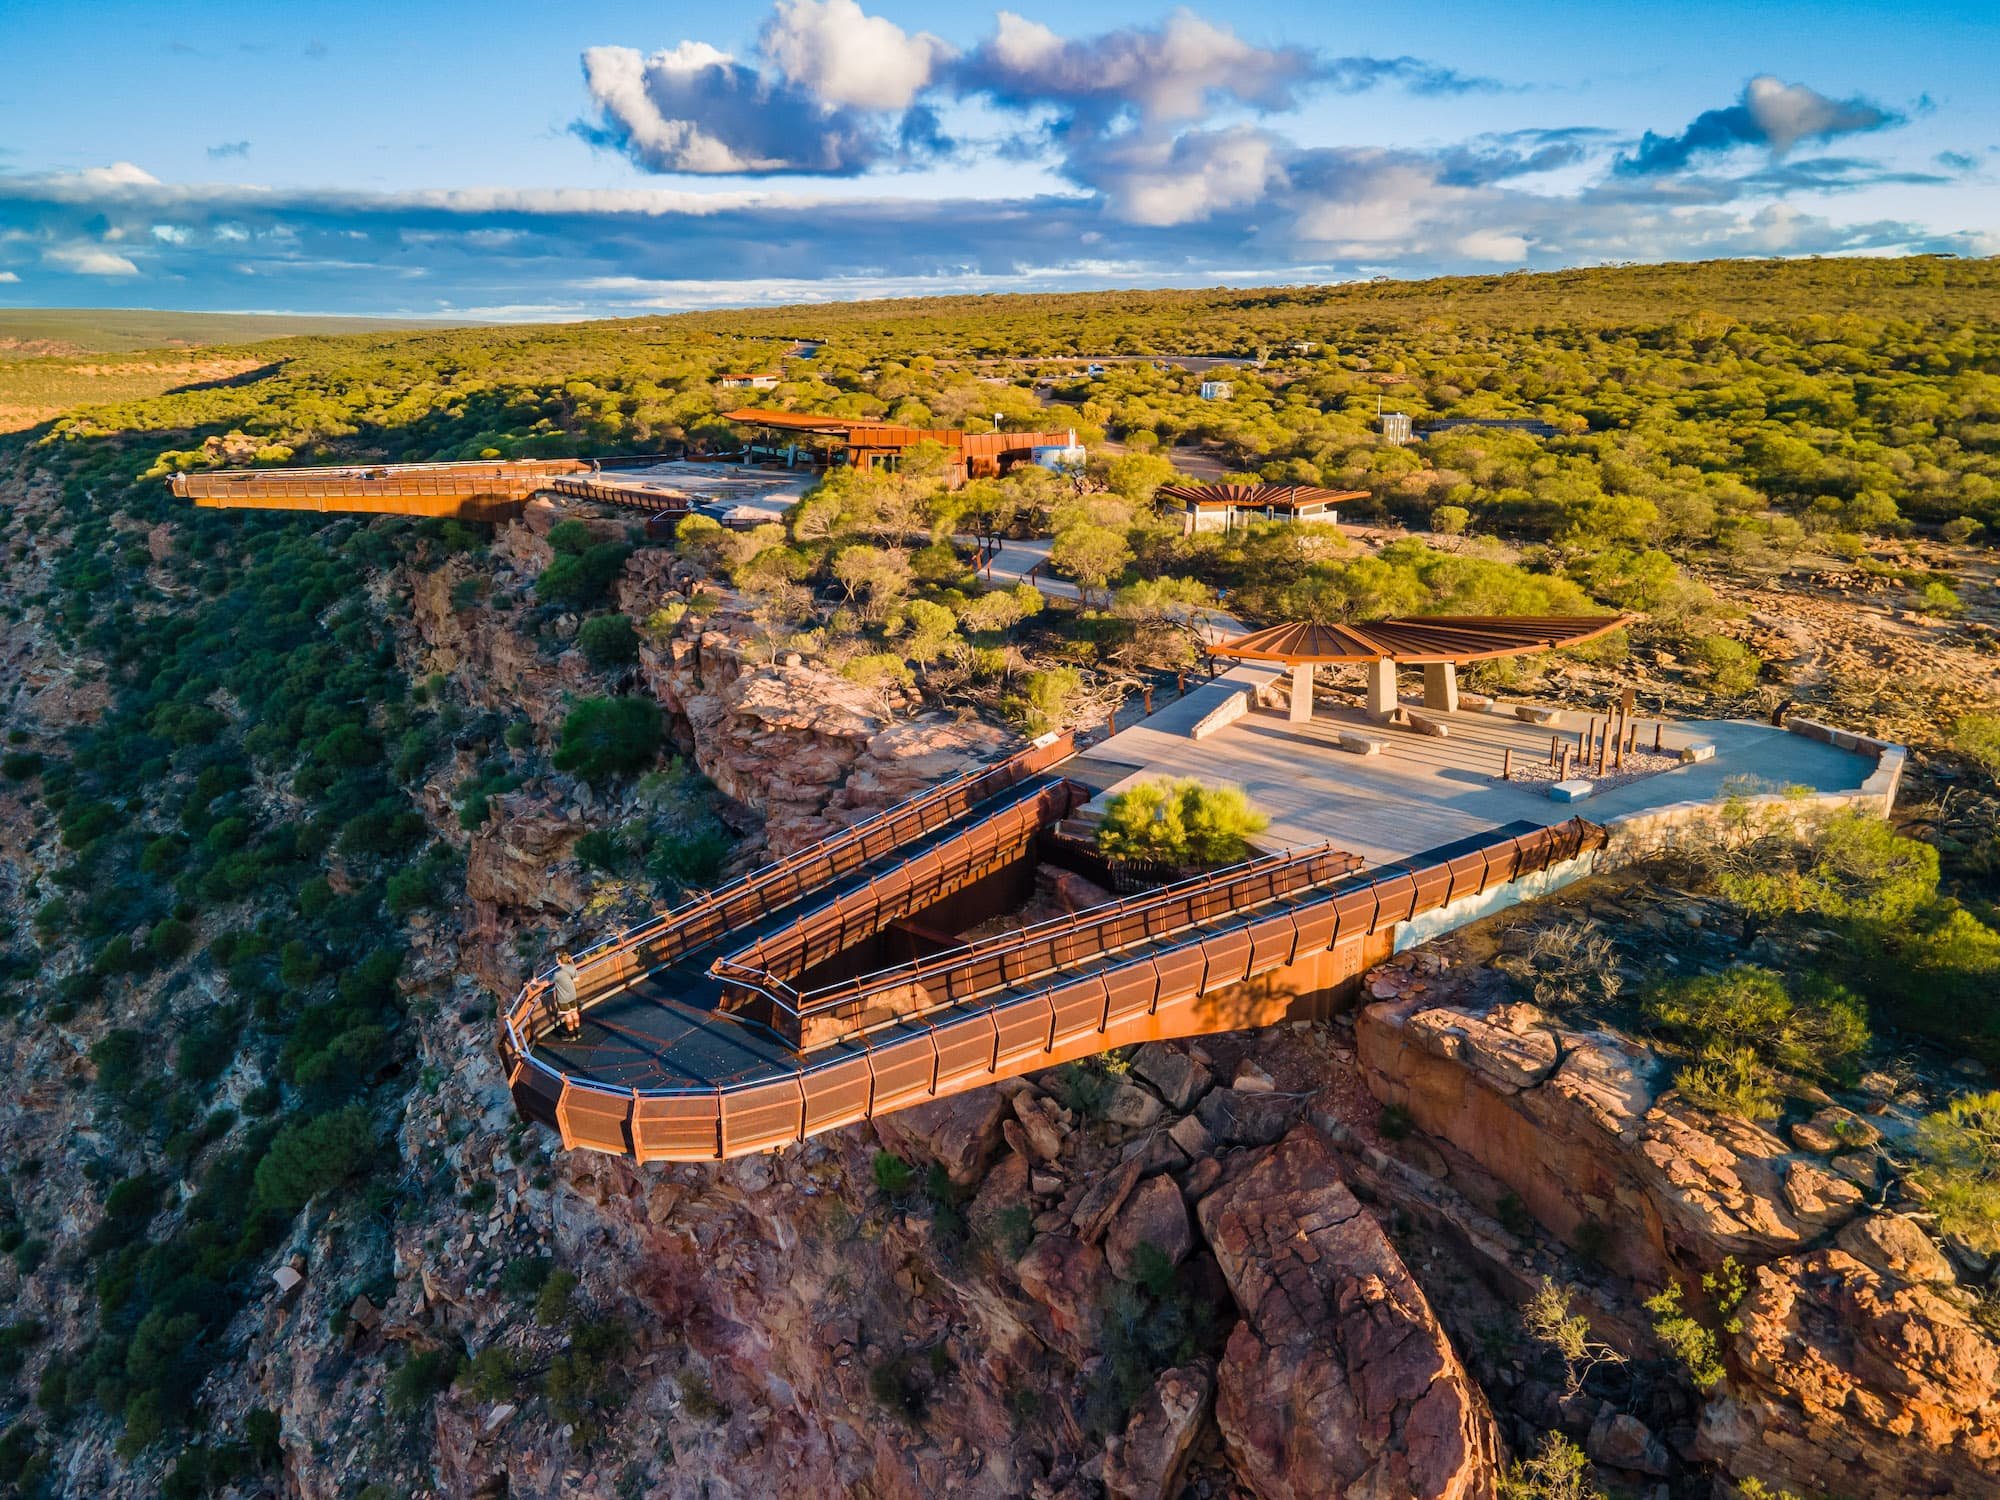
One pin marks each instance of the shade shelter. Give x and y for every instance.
(1437, 643)
(1221, 507)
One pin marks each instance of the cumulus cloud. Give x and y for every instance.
(1771, 114)
(1182, 179)
(697, 110)
(1180, 70)
(8, 278)
(841, 55)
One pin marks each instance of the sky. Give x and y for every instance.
(515, 161)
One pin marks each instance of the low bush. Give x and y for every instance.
(1958, 1149)
(607, 737)
(609, 641)
(1181, 822)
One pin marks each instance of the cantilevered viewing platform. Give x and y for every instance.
(835, 985)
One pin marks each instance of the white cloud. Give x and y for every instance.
(1493, 245)
(88, 260)
(1184, 179)
(118, 174)
(1788, 113)
(695, 109)
(845, 56)
(8, 278)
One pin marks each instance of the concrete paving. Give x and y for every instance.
(1422, 792)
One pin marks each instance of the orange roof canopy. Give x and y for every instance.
(1259, 496)
(1418, 639)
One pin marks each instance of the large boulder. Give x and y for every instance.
(959, 1133)
(1154, 1214)
(1180, 1079)
(1847, 1381)
(1338, 1380)
(1067, 1277)
(1147, 1461)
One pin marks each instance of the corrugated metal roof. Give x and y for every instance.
(1418, 639)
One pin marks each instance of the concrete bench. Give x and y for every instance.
(1695, 754)
(1573, 790)
(1360, 744)
(1535, 713)
(1424, 724)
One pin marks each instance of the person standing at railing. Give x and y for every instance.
(569, 1009)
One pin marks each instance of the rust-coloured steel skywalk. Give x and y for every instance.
(485, 491)
(713, 1031)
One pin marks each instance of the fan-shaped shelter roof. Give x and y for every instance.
(1258, 496)
(1418, 639)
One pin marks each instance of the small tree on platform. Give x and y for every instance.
(1180, 822)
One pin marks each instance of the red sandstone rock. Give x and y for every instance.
(959, 1133)
(1338, 1380)
(1850, 1382)
(1067, 1277)
(1154, 1214)
(1148, 1461)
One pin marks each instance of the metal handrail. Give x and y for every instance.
(1571, 836)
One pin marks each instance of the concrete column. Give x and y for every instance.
(1441, 686)
(1381, 688)
(1302, 692)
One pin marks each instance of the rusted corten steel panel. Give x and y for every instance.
(1396, 899)
(964, 1048)
(1430, 884)
(1078, 1008)
(1130, 990)
(1271, 942)
(1463, 873)
(1228, 957)
(1315, 926)
(837, 1093)
(905, 1070)
(535, 1093)
(595, 1118)
(1181, 971)
(1021, 1029)
(768, 1114)
(1357, 910)
(1028, 960)
(978, 977)
(676, 1127)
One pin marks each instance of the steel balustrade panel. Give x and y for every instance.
(1183, 971)
(1356, 910)
(1130, 991)
(1272, 942)
(1021, 1029)
(1228, 958)
(1315, 927)
(837, 1093)
(536, 1092)
(1078, 1008)
(891, 890)
(1121, 931)
(977, 977)
(905, 1070)
(595, 1118)
(1468, 876)
(762, 1115)
(964, 1049)
(1031, 959)
(1429, 885)
(1396, 900)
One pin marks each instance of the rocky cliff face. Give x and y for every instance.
(1855, 1367)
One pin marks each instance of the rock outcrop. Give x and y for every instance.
(1582, 1127)
(1848, 1381)
(1148, 1461)
(1338, 1380)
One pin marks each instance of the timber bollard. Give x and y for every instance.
(1656, 738)
(1148, 690)
(1507, 764)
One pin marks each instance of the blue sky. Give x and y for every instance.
(511, 160)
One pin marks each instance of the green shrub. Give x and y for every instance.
(1749, 1011)
(1853, 868)
(607, 737)
(892, 1174)
(689, 859)
(1045, 699)
(1182, 822)
(1695, 1343)
(1977, 738)
(609, 641)
(584, 1382)
(557, 1298)
(421, 1377)
(1959, 1151)
(578, 580)
(314, 1156)
(1732, 666)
